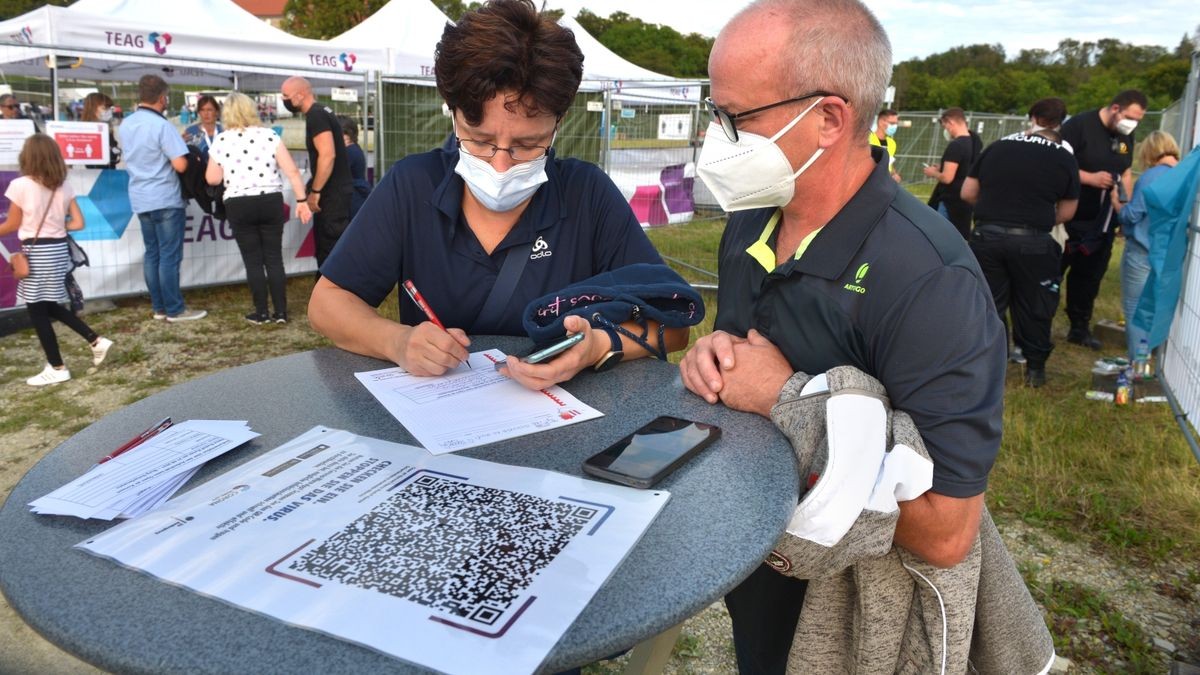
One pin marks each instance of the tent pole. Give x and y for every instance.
(54, 85)
(607, 131)
(379, 123)
(365, 112)
(236, 86)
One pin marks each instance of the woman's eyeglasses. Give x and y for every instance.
(518, 153)
(728, 120)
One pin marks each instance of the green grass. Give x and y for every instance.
(1085, 627)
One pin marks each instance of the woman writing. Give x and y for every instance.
(203, 133)
(248, 158)
(42, 209)
(1157, 154)
(453, 220)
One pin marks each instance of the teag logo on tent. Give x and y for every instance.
(25, 36)
(345, 61)
(158, 41)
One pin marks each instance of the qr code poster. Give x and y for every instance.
(479, 567)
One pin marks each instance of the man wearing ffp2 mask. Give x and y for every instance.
(1103, 144)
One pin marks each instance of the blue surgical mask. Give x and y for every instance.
(497, 191)
(891, 129)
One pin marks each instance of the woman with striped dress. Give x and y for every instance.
(42, 209)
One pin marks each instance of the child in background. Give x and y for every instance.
(42, 208)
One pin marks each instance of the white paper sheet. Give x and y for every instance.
(143, 477)
(472, 406)
(478, 567)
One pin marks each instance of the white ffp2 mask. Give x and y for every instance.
(752, 173)
(1126, 126)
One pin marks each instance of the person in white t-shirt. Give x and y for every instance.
(42, 208)
(248, 158)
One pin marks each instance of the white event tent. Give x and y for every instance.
(629, 82)
(408, 30)
(203, 42)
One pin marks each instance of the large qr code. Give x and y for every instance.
(466, 550)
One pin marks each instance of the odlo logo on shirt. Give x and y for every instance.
(540, 249)
(858, 277)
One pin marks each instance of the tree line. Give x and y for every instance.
(1084, 74)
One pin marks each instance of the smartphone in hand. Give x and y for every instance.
(554, 349)
(548, 353)
(649, 454)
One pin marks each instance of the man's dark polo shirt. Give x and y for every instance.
(889, 287)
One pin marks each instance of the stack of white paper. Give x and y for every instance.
(139, 480)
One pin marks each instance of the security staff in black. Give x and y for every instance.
(1021, 187)
(1103, 143)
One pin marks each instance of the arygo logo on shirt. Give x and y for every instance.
(859, 275)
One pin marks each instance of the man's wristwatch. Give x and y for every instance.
(613, 356)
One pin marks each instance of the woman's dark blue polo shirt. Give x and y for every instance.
(412, 227)
(889, 287)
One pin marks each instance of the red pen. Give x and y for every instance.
(419, 299)
(411, 289)
(132, 443)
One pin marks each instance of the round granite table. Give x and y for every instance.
(728, 506)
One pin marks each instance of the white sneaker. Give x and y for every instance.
(100, 350)
(187, 315)
(49, 375)
(159, 316)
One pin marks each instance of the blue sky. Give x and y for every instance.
(919, 28)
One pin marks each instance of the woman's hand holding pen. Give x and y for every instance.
(428, 350)
(566, 365)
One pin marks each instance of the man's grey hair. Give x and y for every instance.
(151, 88)
(837, 46)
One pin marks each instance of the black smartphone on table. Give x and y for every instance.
(649, 454)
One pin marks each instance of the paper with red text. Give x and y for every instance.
(471, 405)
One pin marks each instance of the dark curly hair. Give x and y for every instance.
(1049, 112)
(507, 46)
